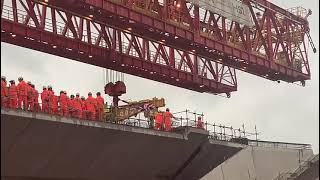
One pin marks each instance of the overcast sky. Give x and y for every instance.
(282, 112)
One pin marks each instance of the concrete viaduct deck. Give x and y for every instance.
(42, 146)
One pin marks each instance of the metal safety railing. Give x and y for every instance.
(284, 145)
(187, 118)
(298, 170)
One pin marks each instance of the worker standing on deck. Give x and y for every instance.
(55, 100)
(37, 107)
(13, 95)
(78, 106)
(30, 97)
(167, 119)
(100, 106)
(4, 92)
(71, 107)
(159, 121)
(200, 123)
(51, 98)
(83, 107)
(90, 106)
(63, 101)
(44, 99)
(22, 93)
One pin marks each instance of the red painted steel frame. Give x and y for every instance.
(274, 48)
(59, 32)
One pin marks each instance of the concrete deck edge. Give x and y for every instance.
(83, 122)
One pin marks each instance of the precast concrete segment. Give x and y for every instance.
(42, 146)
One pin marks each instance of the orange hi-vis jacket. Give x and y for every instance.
(54, 102)
(100, 102)
(36, 95)
(44, 95)
(71, 103)
(159, 120)
(30, 92)
(83, 105)
(63, 101)
(78, 103)
(167, 120)
(22, 88)
(4, 89)
(50, 96)
(91, 104)
(13, 91)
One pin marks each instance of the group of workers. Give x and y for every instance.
(163, 121)
(25, 96)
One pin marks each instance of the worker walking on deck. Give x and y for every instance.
(44, 99)
(167, 119)
(100, 106)
(22, 93)
(4, 92)
(91, 107)
(13, 95)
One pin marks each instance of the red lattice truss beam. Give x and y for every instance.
(57, 31)
(275, 48)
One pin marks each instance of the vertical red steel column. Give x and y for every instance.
(118, 35)
(2, 3)
(15, 11)
(195, 68)
(43, 17)
(224, 29)
(196, 19)
(269, 35)
(171, 57)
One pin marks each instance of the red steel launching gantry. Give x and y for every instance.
(191, 44)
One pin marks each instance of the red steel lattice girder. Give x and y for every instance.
(65, 34)
(274, 48)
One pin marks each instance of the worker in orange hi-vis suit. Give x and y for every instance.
(22, 93)
(63, 101)
(91, 106)
(83, 107)
(37, 107)
(200, 123)
(100, 106)
(167, 119)
(71, 106)
(30, 97)
(55, 100)
(44, 99)
(78, 106)
(159, 121)
(4, 92)
(13, 95)
(50, 96)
